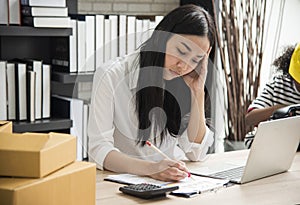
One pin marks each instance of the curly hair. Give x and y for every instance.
(282, 63)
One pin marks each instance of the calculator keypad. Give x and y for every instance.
(146, 191)
(142, 187)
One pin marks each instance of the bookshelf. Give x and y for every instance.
(29, 42)
(66, 78)
(32, 31)
(34, 43)
(52, 124)
(70, 83)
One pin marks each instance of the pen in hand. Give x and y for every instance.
(161, 153)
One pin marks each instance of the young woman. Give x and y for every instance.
(140, 97)
(283, 90)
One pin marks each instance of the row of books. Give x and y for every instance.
(36, 13)
(25, 90)
(99, 38)
(77, 110)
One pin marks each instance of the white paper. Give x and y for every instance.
(188, 185)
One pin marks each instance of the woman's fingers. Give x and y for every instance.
(170, 174)
(181, 166)
(173, 174)
(169, 170)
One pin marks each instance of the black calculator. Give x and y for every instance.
(147, 191)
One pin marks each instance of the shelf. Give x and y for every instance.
(72, 77)
(42, 125)
(32, 31)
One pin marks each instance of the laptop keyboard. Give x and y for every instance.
(235, 173)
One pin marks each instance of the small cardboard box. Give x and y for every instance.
(34, 154)
(74, 184)
(5, 126)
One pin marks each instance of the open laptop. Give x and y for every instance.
(272, 152)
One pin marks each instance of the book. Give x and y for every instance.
(139, 33)
(14, 12)
(114, 36)
(81, 46)
(90, 43)
(73, 47)
(99, 40)
(130, 34)
(85, 135)
(31, 95)
(46, 99)
(36, 66)
(52, 3)
(20, 90)
(107, 40)
(11, 91)
(50, 22)
(64, 52)
(4, 12)
(71, 108)
(60, 54)
(44, 11)
(3, 99)
(145, 30)
(122, 35)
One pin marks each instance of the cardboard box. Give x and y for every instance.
(34, 154)
(5, 126)
(74, 184)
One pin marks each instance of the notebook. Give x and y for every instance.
(272, 152)
(188, 187)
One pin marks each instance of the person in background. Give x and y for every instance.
(283, 90)
(138, 98)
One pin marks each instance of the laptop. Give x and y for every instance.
(272, 152)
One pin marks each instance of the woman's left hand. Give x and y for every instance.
(196, 79)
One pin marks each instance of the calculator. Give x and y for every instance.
(146, 191)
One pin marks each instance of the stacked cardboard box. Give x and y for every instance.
(41, 169)
(5, 126)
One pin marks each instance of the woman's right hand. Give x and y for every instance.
(168, 170)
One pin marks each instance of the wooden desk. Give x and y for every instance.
(278, 189)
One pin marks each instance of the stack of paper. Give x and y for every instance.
(187, 187)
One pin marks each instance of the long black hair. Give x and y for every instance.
(157, 101)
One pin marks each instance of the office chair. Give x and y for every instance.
(283, 112)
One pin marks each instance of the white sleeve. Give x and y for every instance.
(195, 151)
(100, 125)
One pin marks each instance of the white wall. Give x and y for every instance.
(279, 37)
(128, 7)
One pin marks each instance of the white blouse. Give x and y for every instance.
(113, 123)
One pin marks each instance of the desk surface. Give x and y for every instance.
(278, 189)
